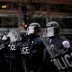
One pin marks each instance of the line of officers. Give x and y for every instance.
(29, 52)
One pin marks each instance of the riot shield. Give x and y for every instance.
(62, 60)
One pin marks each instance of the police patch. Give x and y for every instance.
(66, 44)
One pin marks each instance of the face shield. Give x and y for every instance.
(50, 32)
(53, 29)
(30, 30)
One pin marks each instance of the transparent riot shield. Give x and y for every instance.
(62, 59)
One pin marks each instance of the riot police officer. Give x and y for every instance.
(36, 48)
(15, 59)
(59, 46)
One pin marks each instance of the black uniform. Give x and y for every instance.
(36, 48)
(15, 59)
(24, 50)
(32, 54)
(3, 56)
(25, 55)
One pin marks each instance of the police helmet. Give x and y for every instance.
(33, 28)
(52, 29)
(53, 24)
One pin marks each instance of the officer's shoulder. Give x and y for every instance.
(62, 37)
(66, 42)
(37, 40)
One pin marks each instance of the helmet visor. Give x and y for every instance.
(30, 30)
(50, 32)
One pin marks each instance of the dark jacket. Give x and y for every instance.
(36, 48)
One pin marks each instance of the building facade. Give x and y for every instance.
(10, 14)
(15, 12)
